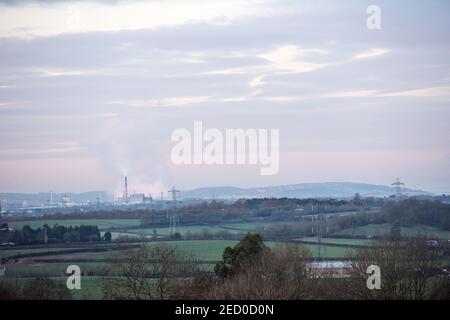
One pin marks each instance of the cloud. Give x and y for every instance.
(256, 82)
(164, 102)
(372, 53)
(64, 72)
(36, 19)
(424, 92)
(289, 58)
(246, 68)
(353, 94)
(281, 59)
(9, 104)
(18, 153)
(263, 98)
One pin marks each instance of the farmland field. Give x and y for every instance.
(94, 264)
(52, 269)
(357, 242)
(9, 253)
(209, 250)
(90, 286)
(384, 229)
(182, 230)
(248, 226)
(132, 226)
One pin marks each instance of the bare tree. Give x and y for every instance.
(157, 271)
(407, 270)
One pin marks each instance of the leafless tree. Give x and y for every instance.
(407, 270)
(156, 271)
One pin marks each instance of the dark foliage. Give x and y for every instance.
(56, 234)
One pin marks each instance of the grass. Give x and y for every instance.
(90, 286)
(52, 269)
(250, 226)
(206, 250)
(182, 230)
(385, 228)
(212, 250)
(356, 242)
(329, 251)
(209, 250)
(234, 228)
(9, 253)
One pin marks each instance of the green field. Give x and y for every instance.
(182, 230)
(249, 226)
(10, 253)
(356, 242)
(233, 228)
(101, 223)
(385, 228)
(132, 224)
(90, 286)
(208, 251)
(52, 269)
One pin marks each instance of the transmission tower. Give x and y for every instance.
(174, 216)
(321, 224)
(398, 187)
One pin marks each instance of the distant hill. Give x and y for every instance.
(303, 190)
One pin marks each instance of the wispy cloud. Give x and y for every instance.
(287, 98)
(37, 19)
(20, 153)
(256, 82)
(281, 59)
(353, 94)
(164, 102)
(372, 53)
(65, 72)
(424, 92)
(8, 104)
(290, 58)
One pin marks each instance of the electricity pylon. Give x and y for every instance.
(174, 216)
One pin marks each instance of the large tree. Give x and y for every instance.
(240, 256)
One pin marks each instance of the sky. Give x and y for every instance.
(91, 91)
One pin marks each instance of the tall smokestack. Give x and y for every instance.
(126, 189)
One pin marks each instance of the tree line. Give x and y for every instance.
(405, 213)
(56, 234)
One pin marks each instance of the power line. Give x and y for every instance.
(175, 214)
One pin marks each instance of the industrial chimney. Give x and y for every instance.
(126, 190)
